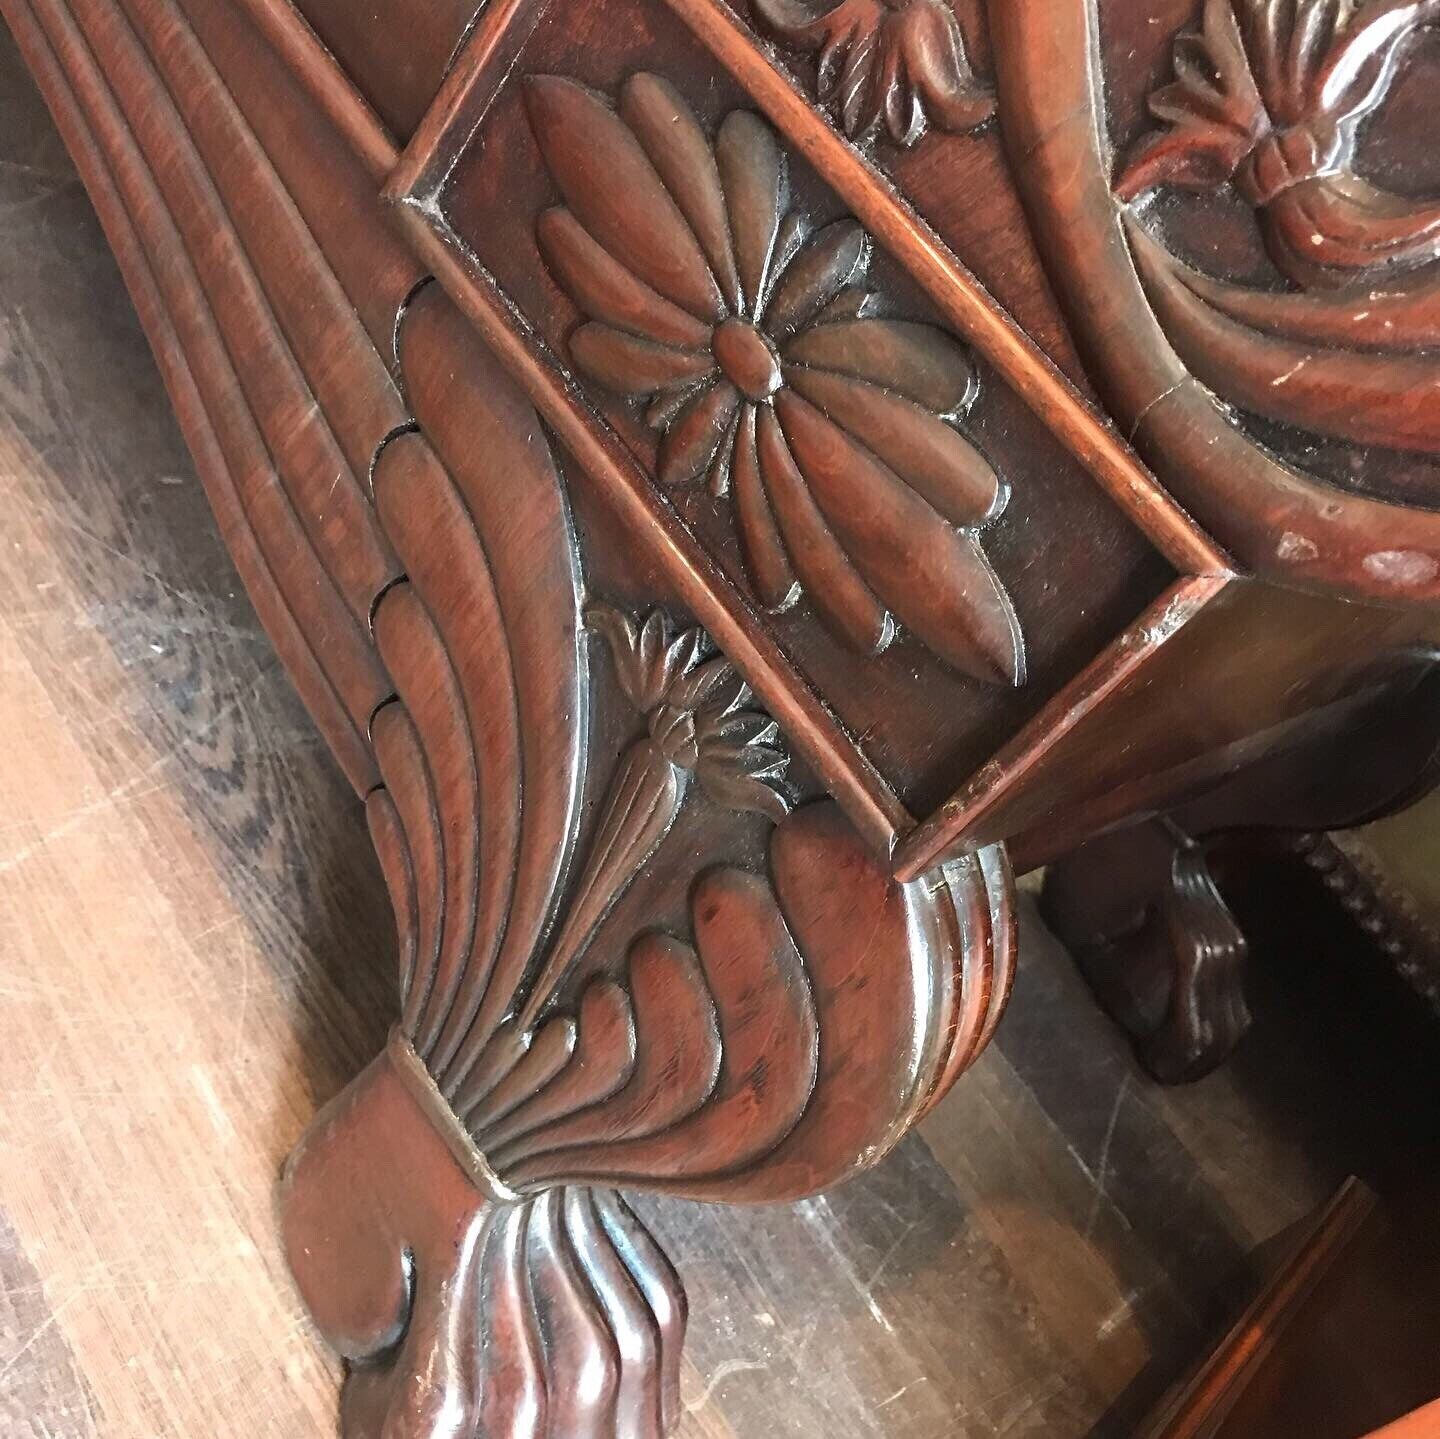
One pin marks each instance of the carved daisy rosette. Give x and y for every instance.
(750, 338)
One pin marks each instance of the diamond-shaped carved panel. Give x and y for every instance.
(738, 338)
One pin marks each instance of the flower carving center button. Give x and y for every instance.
(748, 359)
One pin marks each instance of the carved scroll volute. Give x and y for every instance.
(1266, 105)
(449, 1218)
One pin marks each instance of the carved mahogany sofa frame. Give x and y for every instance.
(731, 485)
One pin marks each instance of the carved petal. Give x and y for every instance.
(903, 59)
(827, 262)
(931, 457)
(760, 540)
(752, 171)
(936, 579)
(630, 365)
(842, 30)
(847, 604)
(615, 192)
(691, 442)
(607, 291)
(678, 148)
(938, 69)
(918, 361)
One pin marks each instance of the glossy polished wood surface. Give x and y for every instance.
(703, 581)
(197, 953)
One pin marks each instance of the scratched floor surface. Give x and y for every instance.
(194, 953)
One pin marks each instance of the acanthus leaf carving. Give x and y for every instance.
(753, 342)
(440, 1216)
(1270, 99)
(897, 63)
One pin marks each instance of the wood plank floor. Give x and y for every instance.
(195, 952)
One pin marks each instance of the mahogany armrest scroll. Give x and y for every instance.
(669, 915)
(634, 950)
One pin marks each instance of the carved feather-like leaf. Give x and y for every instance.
(699, 686)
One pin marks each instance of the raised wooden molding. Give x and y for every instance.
(553, 1037)
(674, 911)
(1160, 337)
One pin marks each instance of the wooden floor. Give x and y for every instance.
(195, 952)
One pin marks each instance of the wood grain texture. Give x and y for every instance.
(197, 952)
(1157, 347)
